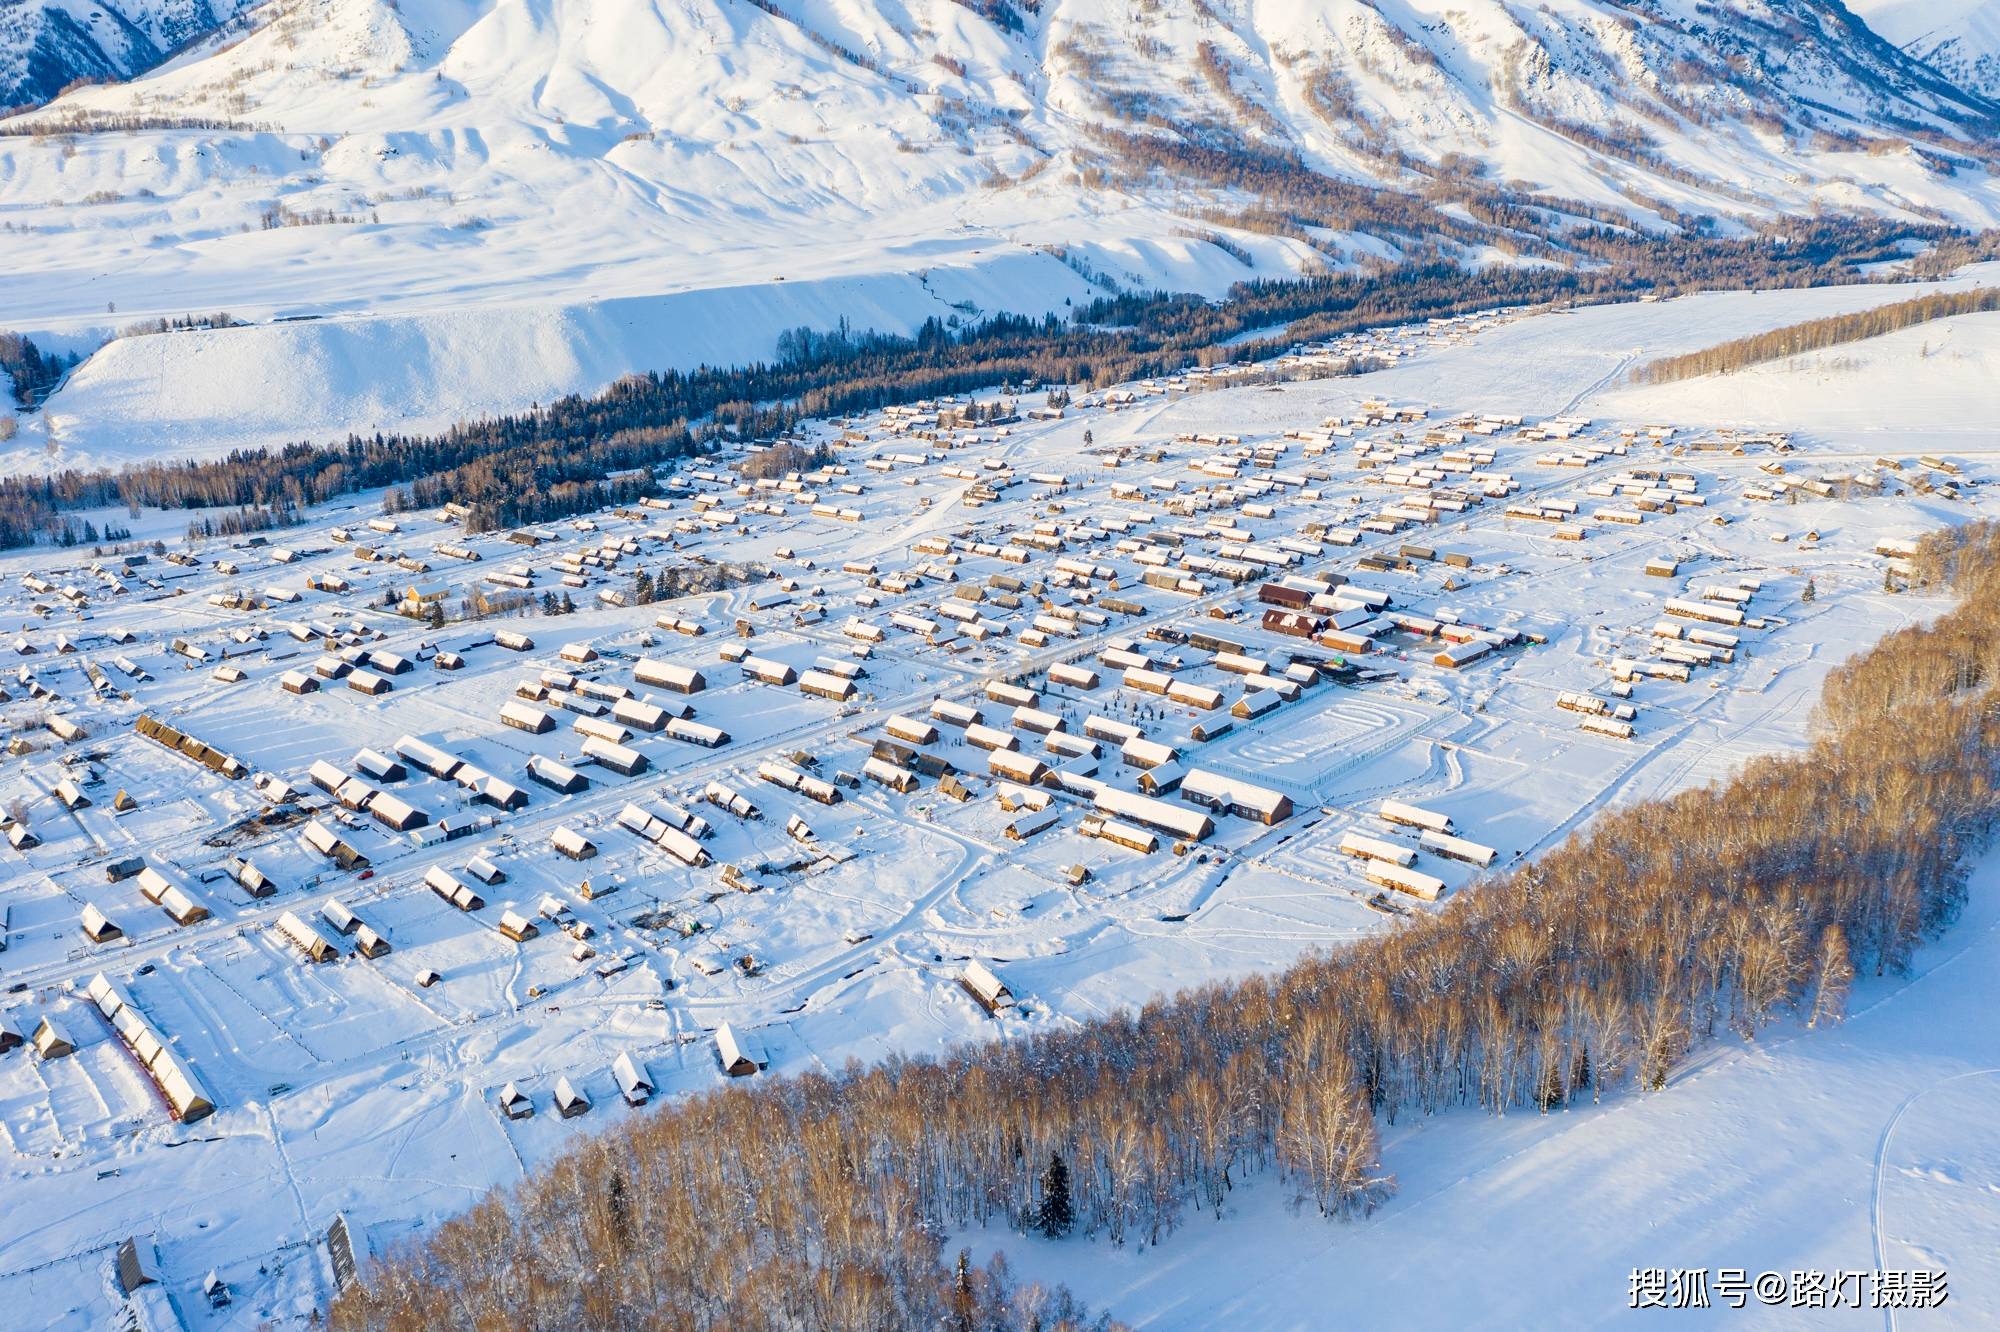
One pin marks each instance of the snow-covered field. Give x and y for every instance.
(826, 931)
(204, 393)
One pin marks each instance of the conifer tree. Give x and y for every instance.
(963, 1303)
(620, 1209)
(1057, 1214)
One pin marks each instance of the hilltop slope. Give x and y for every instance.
(414, 159)
(1958, 38)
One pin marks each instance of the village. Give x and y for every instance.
(379, 836)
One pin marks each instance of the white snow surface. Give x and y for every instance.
(205, 392)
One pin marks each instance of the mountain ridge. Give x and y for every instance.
(374, 159)
(1958, 38)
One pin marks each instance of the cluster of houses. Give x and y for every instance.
(1070, 656)
(1391, 861)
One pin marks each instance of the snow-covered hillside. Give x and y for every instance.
(358, 151)
(1958, 38)
(45, 45)
(204, 392)
(547, 160)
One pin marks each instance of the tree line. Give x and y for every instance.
(1814, 334)
(34, 372)
(818, 1200)
(584, 452)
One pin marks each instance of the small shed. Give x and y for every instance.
(379, 766)
(739, 1057)
(569, 1101)
(515, 1103)
(338, 916)
(134, 1264)
(308, 940)
(442, 882)
(397, 813)
(825, 684)
(368, 682)
(634, 1083)
(517, 926)
(52, 1039)
(680, 679)
(557, 777)
(988, 989)
(97, 927)
(524, 718)
(1455, 655)
(572, 844)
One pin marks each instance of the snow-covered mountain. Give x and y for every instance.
(764, 123)
(420, 157)
(45, 45)
(1958, 38)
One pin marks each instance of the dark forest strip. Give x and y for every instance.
(559, 459)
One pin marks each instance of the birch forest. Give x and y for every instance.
(1815, 334)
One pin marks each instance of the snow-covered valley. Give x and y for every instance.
(361, 1089)
(379, 833)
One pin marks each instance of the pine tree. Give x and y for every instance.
(1057, 1214)
(568, 606)
(1811, 593)
(620, 1209)
(963, 1303)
